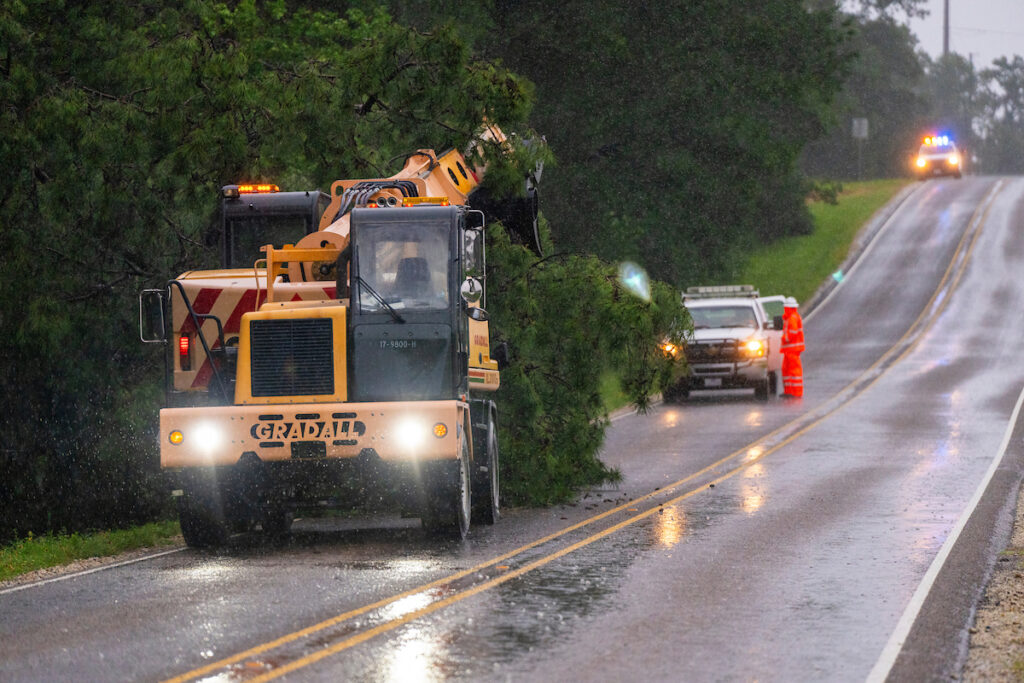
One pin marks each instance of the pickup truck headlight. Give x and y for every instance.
(670, 349)
(754, 348)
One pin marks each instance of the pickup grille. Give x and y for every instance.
(292, 357)
(713, 351)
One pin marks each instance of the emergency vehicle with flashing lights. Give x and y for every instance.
(938, 156)
(358, 352)
(735, 344)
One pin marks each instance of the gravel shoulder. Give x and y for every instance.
(996, 649)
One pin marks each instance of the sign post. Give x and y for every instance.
(860, 134)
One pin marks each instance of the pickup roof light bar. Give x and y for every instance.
(935, 140)
(720, 291)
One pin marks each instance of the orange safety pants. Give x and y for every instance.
(792, 375)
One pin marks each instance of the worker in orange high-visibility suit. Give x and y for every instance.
(792, 347)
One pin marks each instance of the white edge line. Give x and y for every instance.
(629, 409)
(861, 257)
(75, 575)
(899, 636)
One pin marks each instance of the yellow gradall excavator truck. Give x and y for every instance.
(358, 350)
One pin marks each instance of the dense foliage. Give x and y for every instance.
(561, 341)
(677, 125)
(119, 124)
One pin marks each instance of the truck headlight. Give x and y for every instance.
(410, 434)
(207, 437)
(921, 163)
(754, 348)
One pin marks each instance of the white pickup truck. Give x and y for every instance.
(736, 340)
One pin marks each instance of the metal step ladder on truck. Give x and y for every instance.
(736, 341)
(359, 353)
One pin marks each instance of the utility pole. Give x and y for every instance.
(945, 28)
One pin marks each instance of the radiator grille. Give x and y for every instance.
(713, 351)
(292, 357)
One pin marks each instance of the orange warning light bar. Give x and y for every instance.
(257, 189)
(413, 201)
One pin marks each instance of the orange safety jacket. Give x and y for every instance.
(792, 333)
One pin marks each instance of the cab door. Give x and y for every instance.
(773, 306)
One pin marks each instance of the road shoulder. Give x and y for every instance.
(996, 649)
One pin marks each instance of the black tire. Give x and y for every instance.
(449, 497)
(277, 521)
(677, 393)
(486, 507)
(761, 390)
(202, 520)
(773, 384)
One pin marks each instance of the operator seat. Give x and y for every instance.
(412, 278)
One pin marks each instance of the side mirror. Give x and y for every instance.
(475, 220)
(471, 290)
(501, 355)
(152, 327)
(477, 314)
(777, 323)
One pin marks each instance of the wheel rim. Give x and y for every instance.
(492, 447)
(464, 503)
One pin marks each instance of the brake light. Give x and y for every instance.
(184, 352)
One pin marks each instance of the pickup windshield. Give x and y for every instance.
(706, 317)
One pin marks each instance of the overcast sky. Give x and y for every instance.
(984, 29)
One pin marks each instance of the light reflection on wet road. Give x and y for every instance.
(797, 567)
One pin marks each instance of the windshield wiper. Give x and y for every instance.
(360, 282)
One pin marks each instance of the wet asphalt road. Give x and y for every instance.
(797, 564)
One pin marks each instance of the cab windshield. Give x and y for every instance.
(406, 264)
(245, 235)
(936, 149)
(722, 316)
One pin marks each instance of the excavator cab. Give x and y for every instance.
(409, 329)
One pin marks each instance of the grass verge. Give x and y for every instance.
(797, 266)
(32, 553)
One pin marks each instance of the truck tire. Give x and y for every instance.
(486, 509)
(203, 524)
(277, 521)
(448, 498)
(761, 389)
(677, 393)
